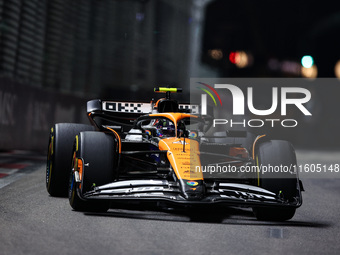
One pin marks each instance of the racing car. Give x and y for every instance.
(156, 152)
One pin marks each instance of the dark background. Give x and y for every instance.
(58, 53)
(284, 31)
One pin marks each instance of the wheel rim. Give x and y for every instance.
(72, 182)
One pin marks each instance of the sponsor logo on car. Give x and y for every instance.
(192, 183)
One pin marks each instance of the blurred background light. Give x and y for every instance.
(290, 67)
(241, 59)
(245, 59)
(140, 16)
(234, 57)
(274, 64)
(307, 61)
(216, 54)
(337, 69)
(311, 72)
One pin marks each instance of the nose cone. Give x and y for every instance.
(193, 190)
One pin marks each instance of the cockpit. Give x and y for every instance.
(160, 126)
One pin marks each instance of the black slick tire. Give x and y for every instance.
(98, 152)
(277, 153)
(59, 156)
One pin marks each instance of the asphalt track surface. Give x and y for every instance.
(32, 222)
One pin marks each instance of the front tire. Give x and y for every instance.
(59, 156)
(98, 153)
(277, 153)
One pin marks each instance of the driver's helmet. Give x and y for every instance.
(164, 128)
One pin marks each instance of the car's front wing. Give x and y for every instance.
(233, 194)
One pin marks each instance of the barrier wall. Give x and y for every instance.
(27, 114)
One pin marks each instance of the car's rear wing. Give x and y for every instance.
(124, 113)
(132, 107)
(142, 108)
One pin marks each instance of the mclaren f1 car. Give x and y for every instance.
(161, 152)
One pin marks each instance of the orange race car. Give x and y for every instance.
(159, 152)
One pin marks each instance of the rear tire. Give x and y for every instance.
(59, 156)
(277, 153)
(99, 155)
